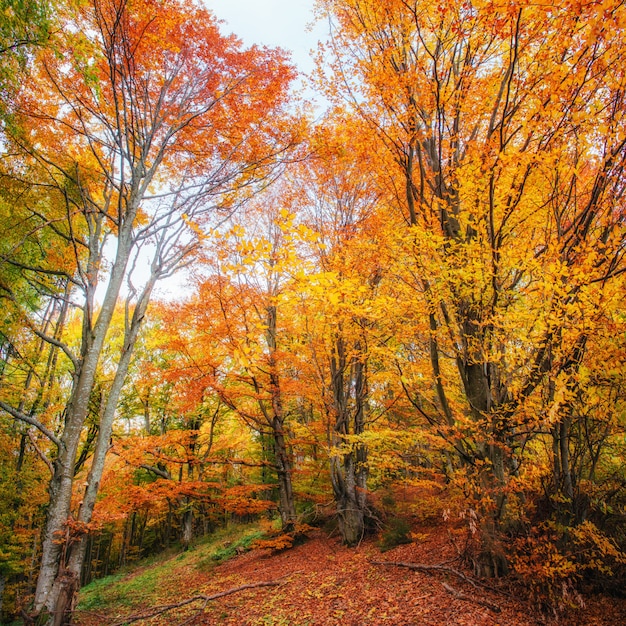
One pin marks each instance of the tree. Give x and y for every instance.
(241, 338)
(141, 123)
(338, 308)
(25, 25)
(502, 132)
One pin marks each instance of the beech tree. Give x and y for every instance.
(143, 122)
(239, 345)
(338, 309)
(501, 133)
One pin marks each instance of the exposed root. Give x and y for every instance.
(430, 569)
(463, 596)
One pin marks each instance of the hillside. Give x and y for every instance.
(320, 582)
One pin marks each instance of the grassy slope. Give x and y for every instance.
(144, 584)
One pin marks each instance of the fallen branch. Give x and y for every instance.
(201, 597)
(463, 596)
(429, 569)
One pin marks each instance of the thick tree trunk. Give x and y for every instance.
(349, 480)
(349, 467)
(54, 551)
(485, 399)
(186, 536)
(287, 506)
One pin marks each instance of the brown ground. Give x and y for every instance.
(324, 583)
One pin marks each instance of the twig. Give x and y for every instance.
(430, 568)
(463, 596)
(39, 451)
(29, 419)
(168, 607)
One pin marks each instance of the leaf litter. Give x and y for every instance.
(321, 582)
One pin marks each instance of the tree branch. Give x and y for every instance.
(40, 452)
(155, 470)
(201, 597)
(59, 344)
(19, 415)
(463, 596)
(429, 569)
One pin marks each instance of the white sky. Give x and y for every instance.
(274, 23)
(282, 23)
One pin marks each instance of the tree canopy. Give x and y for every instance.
(421, 288)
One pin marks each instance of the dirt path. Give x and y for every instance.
(330, 584)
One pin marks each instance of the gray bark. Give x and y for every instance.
(287, 506)
(77, 551)
(133, 133)
(349, 467)
(53, 551)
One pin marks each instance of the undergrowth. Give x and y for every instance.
(398, 532)
(229, 548)
(142, 584)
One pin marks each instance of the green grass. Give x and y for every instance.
(123, 590)
(140, 584)
(95, 594)
(230, 548)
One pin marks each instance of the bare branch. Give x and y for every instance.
(463, 596)
(155, 470)
(28, 419)
(59, 344)
(429, 569)
(40, 452)
(201, 597)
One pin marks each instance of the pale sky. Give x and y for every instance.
(273, 23)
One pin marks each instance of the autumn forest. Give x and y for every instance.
(402, 310)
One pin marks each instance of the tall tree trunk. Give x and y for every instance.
(77, 550)
(349, 465)
(282, 460)
(287, 506)
(60, 490)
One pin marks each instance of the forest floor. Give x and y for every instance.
(321, 582)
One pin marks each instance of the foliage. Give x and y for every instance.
(419, 310)
(397, 532)
(22, 501)
(25, 25)
(136, 123)
(553, 560)
(313, 589)
(145, 580)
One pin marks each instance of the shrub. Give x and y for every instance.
(554, 560)
(398, 532)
